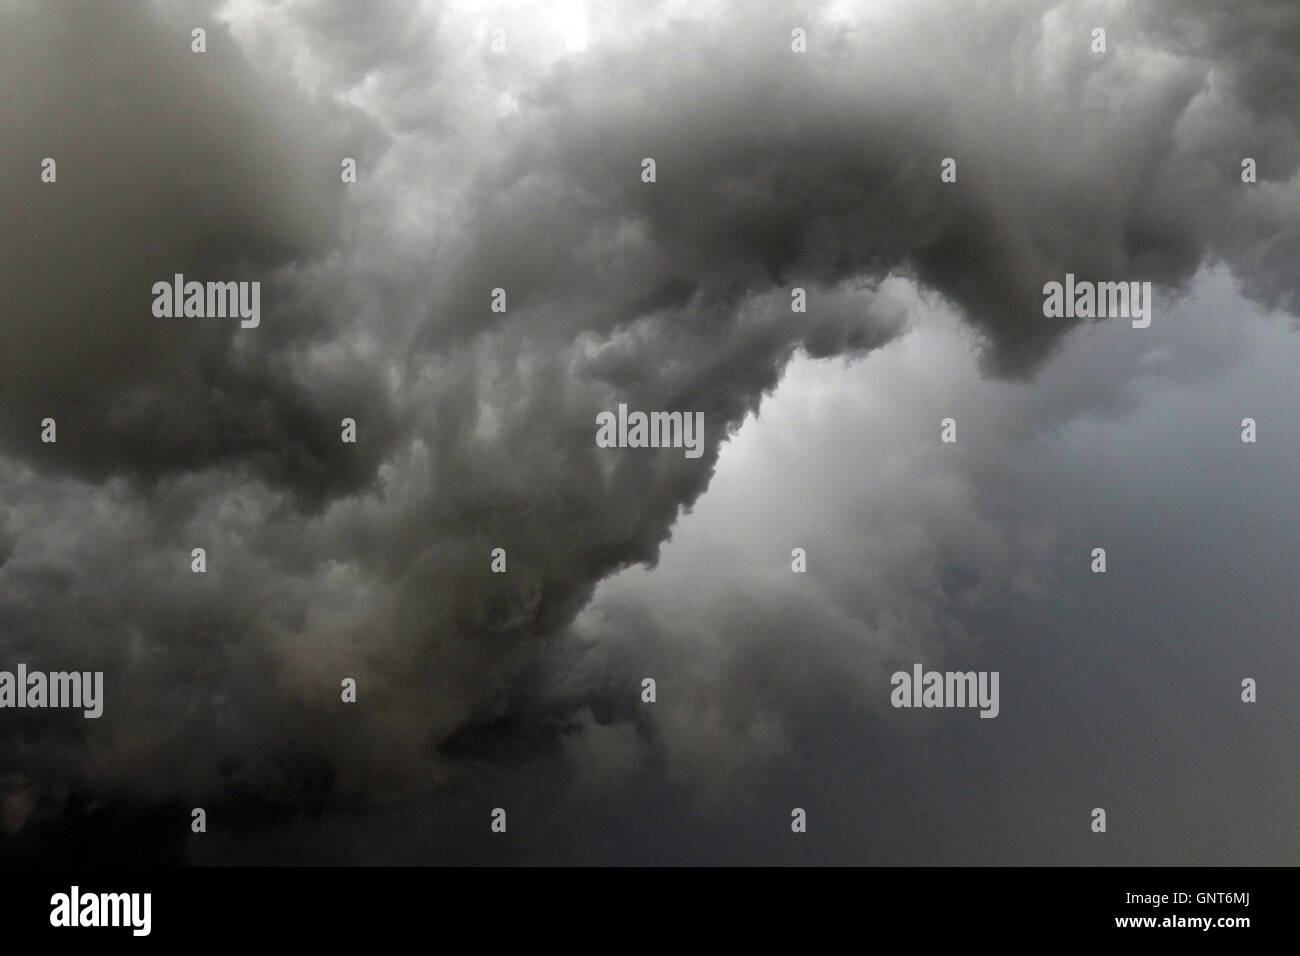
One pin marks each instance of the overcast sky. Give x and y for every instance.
(521, 169)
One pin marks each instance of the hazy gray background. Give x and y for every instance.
(521, 170)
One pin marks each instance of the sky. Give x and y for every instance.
(520, 168)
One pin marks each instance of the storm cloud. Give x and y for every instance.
(521, 170)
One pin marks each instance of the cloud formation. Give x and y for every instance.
(521, 171)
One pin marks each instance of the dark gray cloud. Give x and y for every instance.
(168, 162)
(521, 171)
